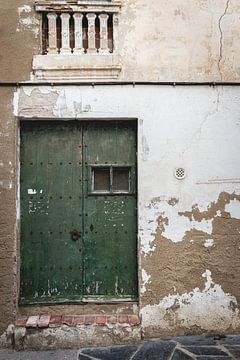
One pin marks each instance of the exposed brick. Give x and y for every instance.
(55, 321)
(68, 320)
(32, 321)
(89, 319)
(123, 319)
(112, 319)
(78, 320)
(43, 322)
(134, 319)
(101, 320)
(21, 322)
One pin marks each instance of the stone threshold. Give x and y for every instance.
(52, 321)
(49, 332)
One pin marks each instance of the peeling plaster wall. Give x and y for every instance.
(19, 40)
(189, 230)
(8, 218)
(164, 41)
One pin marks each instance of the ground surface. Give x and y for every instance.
(177, 348)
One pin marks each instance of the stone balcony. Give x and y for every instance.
(79, 41)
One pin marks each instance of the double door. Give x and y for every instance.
(78, 211)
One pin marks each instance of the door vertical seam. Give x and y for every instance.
(82, 210)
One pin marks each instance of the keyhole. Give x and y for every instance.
(91, 227)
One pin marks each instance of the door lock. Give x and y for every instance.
(75, 235)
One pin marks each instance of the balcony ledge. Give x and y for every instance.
(78, 6)
(88, 67)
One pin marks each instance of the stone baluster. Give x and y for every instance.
(52, 33)
(65, 49)
(103, 33)
(91, 33)
(78, 35)
(115, 32)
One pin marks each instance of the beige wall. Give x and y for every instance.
(180, 40)
(159, 41)
(8, 216)
(19, 39)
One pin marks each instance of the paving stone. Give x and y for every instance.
(67, 320)
(110, 353)
(195, 340)
(230, 340)
(214, 357)
(234, 350)
(21, 322)
(101, 320)
(155, 350)
(134, 320)
(32, 321)
(205, 350)
(78, 320)
(180, 355)
(90, 319)
(112, 319)
(123, 319)
(43, 321)
(84, 357)
(55, 321)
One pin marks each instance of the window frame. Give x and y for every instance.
(111, 192)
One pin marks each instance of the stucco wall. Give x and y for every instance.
(161, 41)
(8, 212)
(188, 229)
(180, 40)
(19, 39)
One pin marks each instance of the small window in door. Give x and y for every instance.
(101, 179)
(110, 180)
(121, 180)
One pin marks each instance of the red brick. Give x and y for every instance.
(55, 321)
(112, 319)
(21, 322)
(43, 322)
(123, 319)
(89, 319)
(67, 320)
(134, 319)
(101, 320)
(32, 321)
(78, 320)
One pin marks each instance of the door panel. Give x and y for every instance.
(109, 217)
(78, 211)
(51, 208)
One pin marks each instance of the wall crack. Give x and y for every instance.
(221, 38)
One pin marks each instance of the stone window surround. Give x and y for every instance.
(79, 67)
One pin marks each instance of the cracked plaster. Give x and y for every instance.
(221, 37)
(189, 309)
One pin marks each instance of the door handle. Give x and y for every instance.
(75, 235)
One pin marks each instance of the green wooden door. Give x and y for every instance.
(78, 211)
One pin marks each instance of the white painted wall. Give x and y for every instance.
(194, 127)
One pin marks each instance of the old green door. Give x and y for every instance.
(109, 210)
(78, 211)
